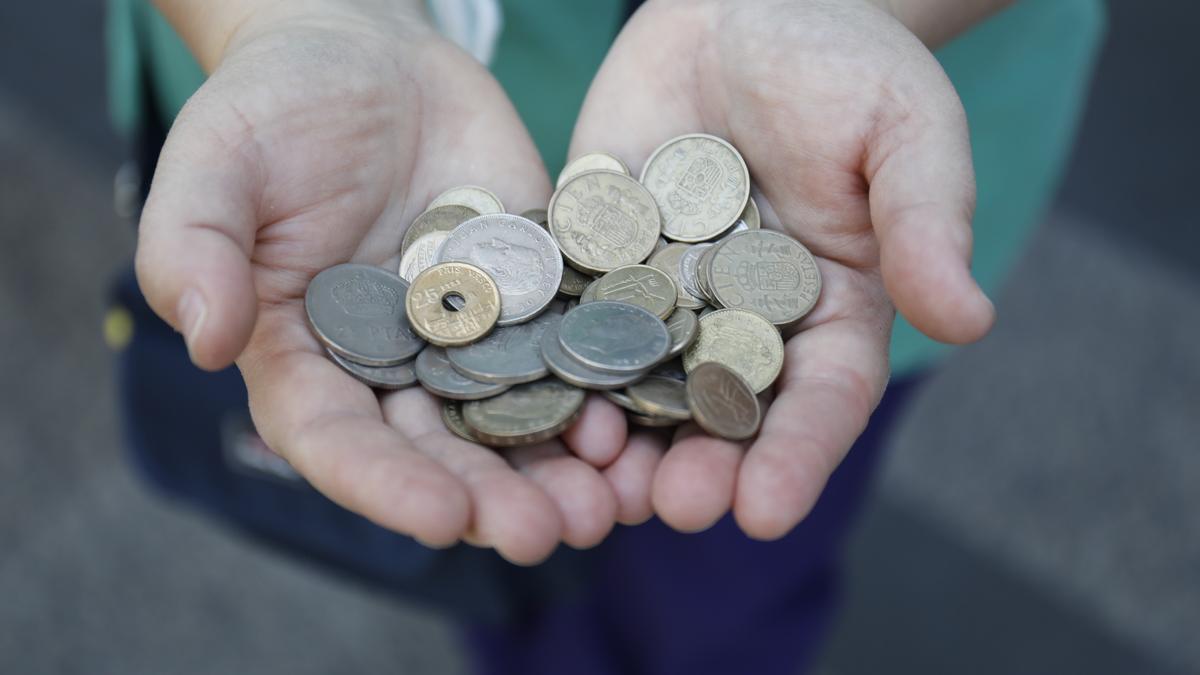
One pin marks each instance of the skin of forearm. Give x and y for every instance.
(208, 26)
(936, 22)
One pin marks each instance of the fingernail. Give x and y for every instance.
(190, 313)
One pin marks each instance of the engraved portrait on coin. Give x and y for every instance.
(701, 185)
(517, 254)
(767, 272)
(602, 220)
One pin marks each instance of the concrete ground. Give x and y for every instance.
(1039, 512)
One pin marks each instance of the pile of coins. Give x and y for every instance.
(662, 292)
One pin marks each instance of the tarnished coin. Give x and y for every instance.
(436, 219)
(570, 370)
(589, 292)
(526, 414)
(767, 272)
(701, 185)
(703, 269)
(473, 196)
(661, 397)
(603, 220)
(537, 216)
(357, 311)
(667, 260)
(641, 285)
(614, 337)
(689, 265)
(622, 399)
(452, 417)
(509, 355)
(592, 161)
(399, 376)
(519, 256)
(421, 255)
(574, 282)
(672, 368)
(742, 341)
(722, 403)
(452, 304)
(683, 327)
(439, 377)
(749, 220)
(651, 422)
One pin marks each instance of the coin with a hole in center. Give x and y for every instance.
(358, 312)
(661, 397)
(602, 220)
(767, 272)
(701, 185)
(439, 377)
(722, 403)
(668, 259)
(593, 161)
(742, 341)
(526, 414)
(388, 378)
(508, 355)
(647, 287)
(472, 196)
(452, 304)
(436, 219)
(573, 372)
(421, 255)
(517, 254)
(614, 337)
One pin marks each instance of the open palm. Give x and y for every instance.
(313, 144)
(859, 145)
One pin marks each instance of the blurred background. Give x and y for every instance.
(1040, 511)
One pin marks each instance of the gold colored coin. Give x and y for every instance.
(701, 185)
(526, 414)
(722, 403)
(661, 397)
(574, 282)
(703, 275)
(742, 341)
(453, 304)
(667, 260)
(593, 161)
(452, 417)
(641, 285)
(589, 293)
(683, 327)
(767, 272)
(751, 217)
(651, 422)
(602, 220)
(473, 196)
(436, 219)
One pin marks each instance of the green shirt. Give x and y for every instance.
(1022, 77)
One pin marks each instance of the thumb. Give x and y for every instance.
(197, 232)
(922, 200)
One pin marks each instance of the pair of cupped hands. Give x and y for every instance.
(323, 131)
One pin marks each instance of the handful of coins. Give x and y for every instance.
(510, 318)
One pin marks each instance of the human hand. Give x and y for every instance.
(324, 130)
(859, 145)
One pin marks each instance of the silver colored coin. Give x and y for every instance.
(683, 327)
(389, 378)
(573, 372)
(526, 414)
(688, 267)
(439, 377)
(621, 398)
(517, 254)
(591, 162)
(661, 397)
(357, 311)
(508, 355)
(667, 259)
(589, 292)
(421, 255)
(672, 368)
(614, 337)
(471, 196)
